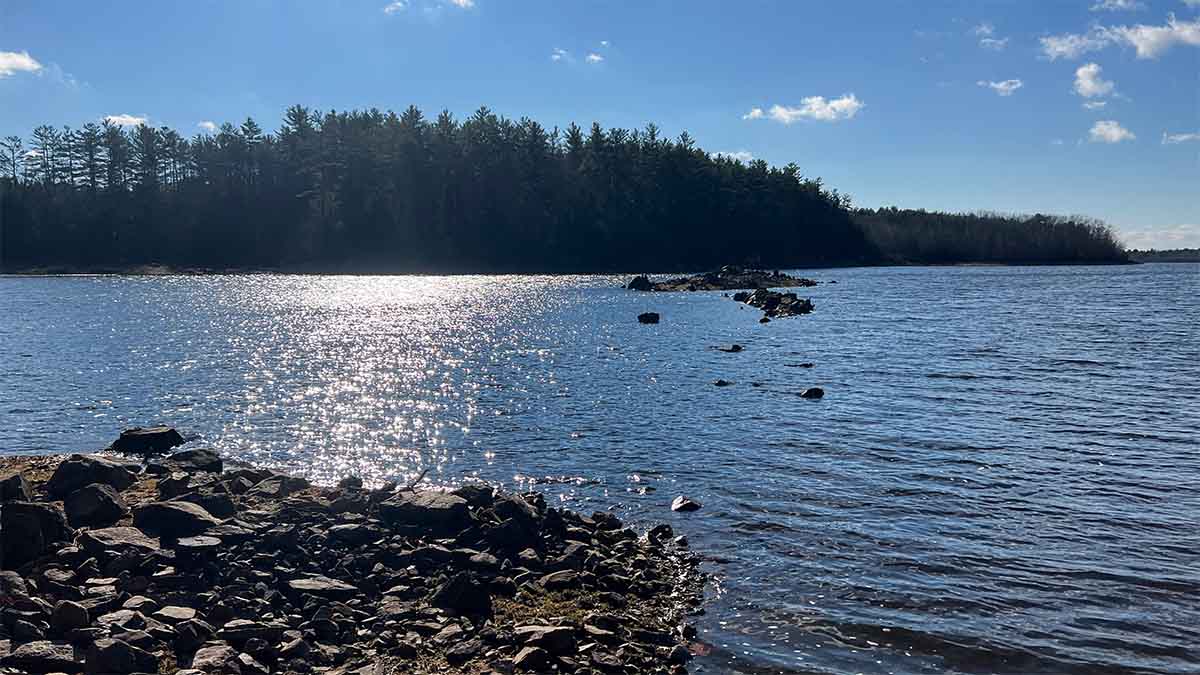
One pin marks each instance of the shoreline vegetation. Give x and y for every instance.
(183, 564)
(375, 191)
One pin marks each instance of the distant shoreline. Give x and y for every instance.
(305, 270)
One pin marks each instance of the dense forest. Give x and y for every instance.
(380, 191)
(931, 237)
(1166, 255)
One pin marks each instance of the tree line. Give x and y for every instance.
(381, 191)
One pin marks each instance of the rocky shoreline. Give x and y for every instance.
(728, 278)
(186, 565)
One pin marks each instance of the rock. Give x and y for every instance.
(722, 383)
(173, 519)
(350, 483)
(640, 283)
(189, 635)
(323, 587)
(217, 504)
(238, 631)
(426, 511)
(463, 595)
(68, 616)
(684, 504)
(561, 580)
(731, 349)
(79, 470)
(116, 541)
(28, 530)
(464, 651)
(111, 656)
(172, 614)
(277, 487)
(15, 489)
(558, 640)
(150, 440)
(43, 656)
(200, 459)
(12, 585)
(648, 317)
(95, 505)
(812, 392)
(533, 659)
(217, 658)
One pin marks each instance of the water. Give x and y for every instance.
(1004, 474)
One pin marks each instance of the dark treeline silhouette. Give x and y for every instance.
(931, 237)
(376, 190)
(1166, 255)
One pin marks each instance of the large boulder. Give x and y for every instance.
(27, 530)
(81, 470)
(110, 656)
(150, 440)
(173, 519)
(200, 459)
(96, 505)
(428, 511)
(462, 594)
(43, 656)
(15, 489)
(117, 541)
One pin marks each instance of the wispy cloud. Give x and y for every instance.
(594, 58)
(1109, 131)
(560, 55)
(1089, 83)
(1165, 237)
(464, 4)
(127, 120)
(811, 108)
(426, 6)
(397, 6)
(1149, 41)
(743, 156)
(994, 44)
(983, 30)
(604, 43)
(1118, 6)
(1004, 88)
(1094, 105)
(1175, 139)
(17, 62)
(988, 39)
(210, 127)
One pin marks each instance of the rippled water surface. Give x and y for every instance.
(1004, 475)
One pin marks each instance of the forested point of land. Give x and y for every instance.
(380, 191)
(1165, 255)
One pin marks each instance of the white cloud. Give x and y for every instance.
(126, 120)
(742, 156)
(1088, 82)
(1005, 88)
(1149, 41)
(1118, 6)
(1174, 139)
(1094, 105)
(210, 127)
(559, 55)
(813, 108)
(396, 6)
(604, 43)
(594, 58)
(1194, 4)
(1109, 131)
(994, 44)
(17, 62)
(1168, 237)
(430, 8)
(984, 29)
(464, 4)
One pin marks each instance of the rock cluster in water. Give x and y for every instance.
(186, 566)
(728, 278)
(774, 304)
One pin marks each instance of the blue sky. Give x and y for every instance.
(1064, 106)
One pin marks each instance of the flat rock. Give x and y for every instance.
(200, 459)
(532, 659)
(111, 656)
(173, 519)
(43, 656)
(117, 540)
(426, 511)
(558, 640)
(323, 587)
(173, 614)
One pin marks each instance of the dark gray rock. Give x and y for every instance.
(277, 487)
(426, 511)
(640, 283)
(95, 505)
(68, 616)
(649, 317)
(323, 587)
(462, 594)
(561, 580)
(812, 392)
(189, 635)
(150, 440)
(116, 541)
(43, 656)
(558, 640)
(28, 530)
(15, 489)
(217, 658)
(80, 470)
(684, 504)
(532, 659)
(111, 656)
(173, 519)
(200, 459)
(218, 504)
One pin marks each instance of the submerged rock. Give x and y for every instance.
(648, 317)
(813, 392)
(683, 504)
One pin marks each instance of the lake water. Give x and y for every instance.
(1003, 476)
